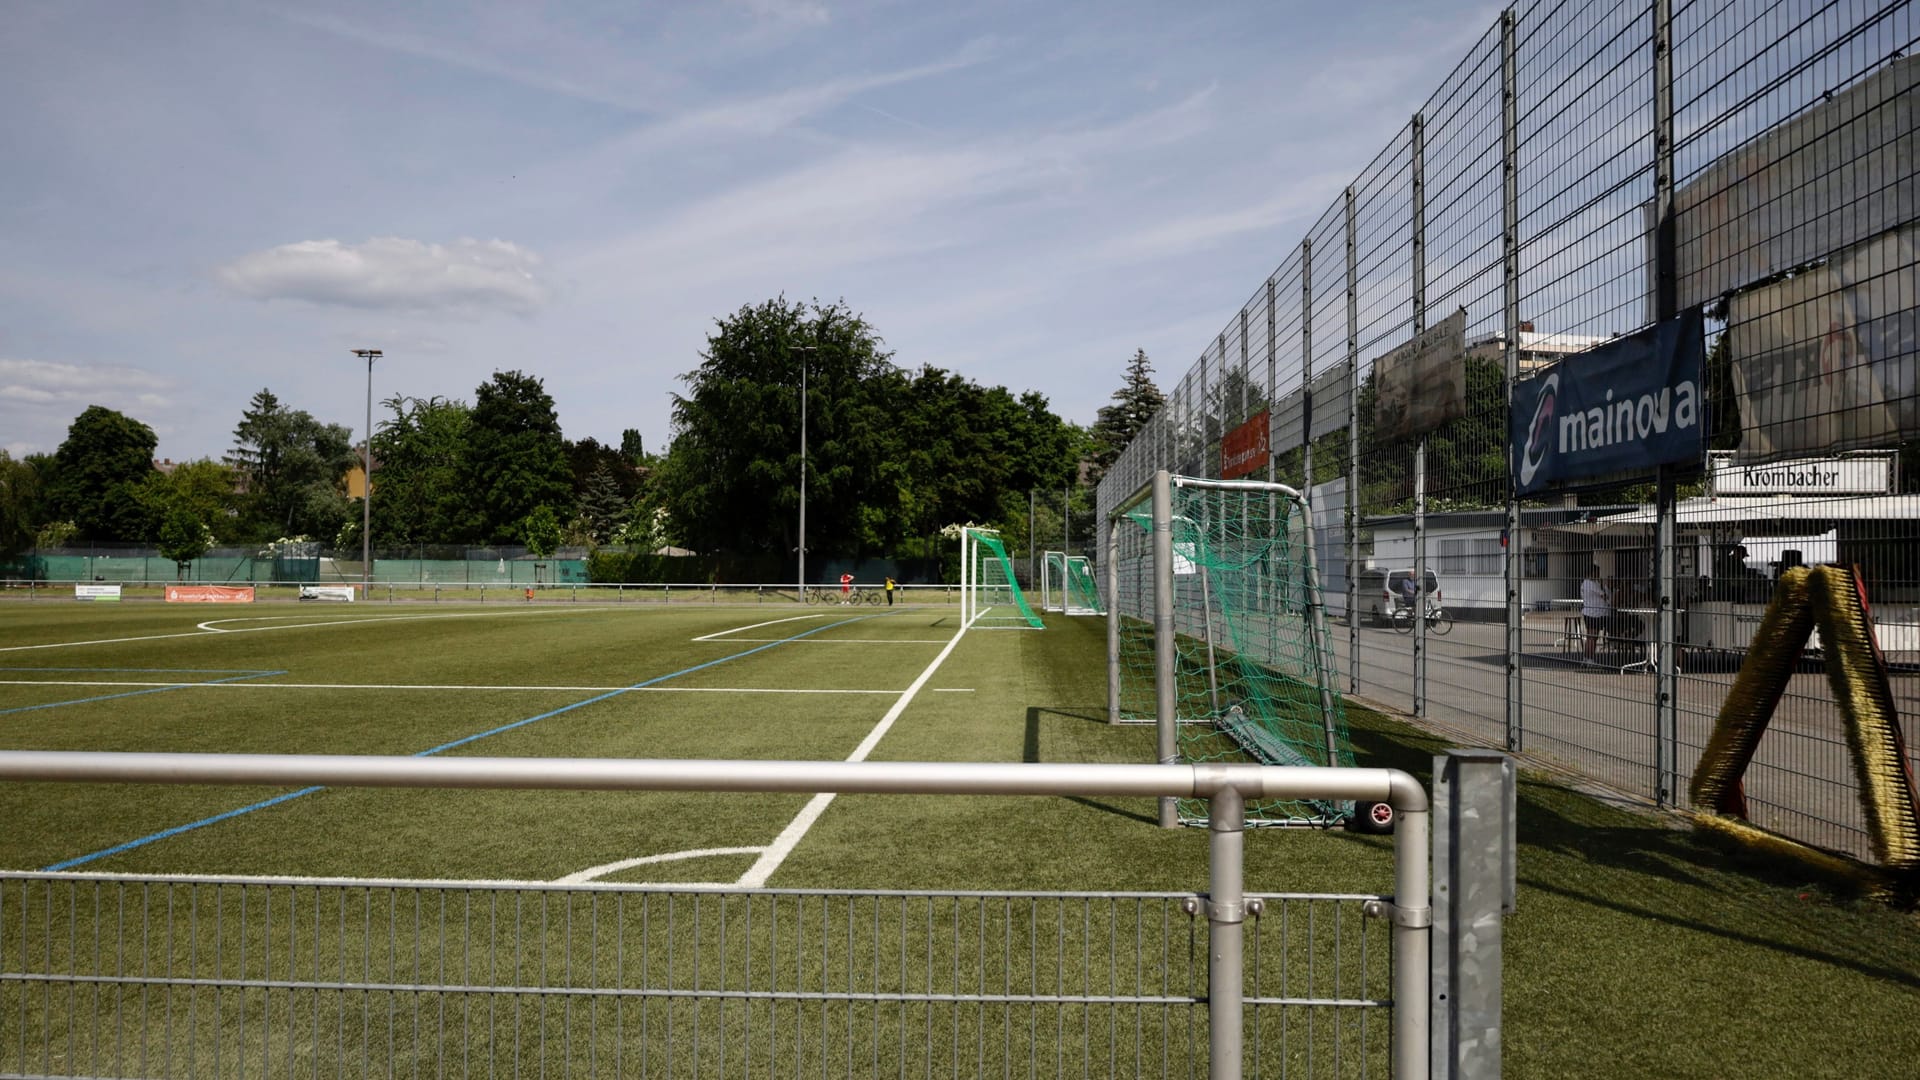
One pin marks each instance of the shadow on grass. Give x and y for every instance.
(1030, 753)
(1695, 882)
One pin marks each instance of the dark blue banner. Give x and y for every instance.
(1626, 406)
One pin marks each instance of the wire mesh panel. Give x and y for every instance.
(1585, 172)
(106, 976)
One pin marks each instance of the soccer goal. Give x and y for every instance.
(1067, 585)
(990, 596)
(1241, 666)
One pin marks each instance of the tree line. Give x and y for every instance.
(892, 456)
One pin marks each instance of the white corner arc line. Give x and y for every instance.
(581, 877)
(790, 837)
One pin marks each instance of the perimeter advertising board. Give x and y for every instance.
(98, 594)
(1623, 407)
(1244, 451)
(1423, 383)
(1865, 474)
(209, 594)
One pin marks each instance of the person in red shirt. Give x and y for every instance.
(846, 588)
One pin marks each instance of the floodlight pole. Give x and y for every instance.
(366, 484)
(800, 588)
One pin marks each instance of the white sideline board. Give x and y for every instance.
(99, 594)
(336, 593)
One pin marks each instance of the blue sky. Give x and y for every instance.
(205, 199)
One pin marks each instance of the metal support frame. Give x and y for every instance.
(1165, 658)
(1353, 452)
(1510, 303)
(1226, 787)
(1474, 864)
(1113, 619)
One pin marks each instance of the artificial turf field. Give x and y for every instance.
(1637, 950)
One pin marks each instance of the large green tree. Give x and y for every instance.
(206, 488)
(516, 459)
(731, 478)
(293, 466)
(98, 472)
(420, 485)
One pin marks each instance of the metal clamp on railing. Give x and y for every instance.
(1417, 918)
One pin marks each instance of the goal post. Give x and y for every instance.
(990, 594)
(1067, 585)
(1217, 634)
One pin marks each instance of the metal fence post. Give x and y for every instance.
(1417, 153)
(1165, 703)
(1473, 864)
(1666, 304)
(1353, 459)
(1226, 931)
(1510, 294)
(1113, 620)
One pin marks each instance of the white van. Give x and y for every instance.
(1381, 590)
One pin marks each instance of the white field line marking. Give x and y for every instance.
(758, 625)
(296, 626)
(592, 872)
(838, 641)
(397, 883)
(425, 686)
(783, 845)
(953, 689)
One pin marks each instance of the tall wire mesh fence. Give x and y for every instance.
(1588, 171)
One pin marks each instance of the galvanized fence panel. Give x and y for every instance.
(1543, 164)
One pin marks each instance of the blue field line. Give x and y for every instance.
(137, 693)
(278, 799)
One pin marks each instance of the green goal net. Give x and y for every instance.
(1067, 585)
(990, 595)
(1253, 669)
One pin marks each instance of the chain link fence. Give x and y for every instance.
(1585, 173)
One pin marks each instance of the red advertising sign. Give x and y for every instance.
(209, 594)
(1244, 450)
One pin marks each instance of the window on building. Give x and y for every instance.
(1453, 556)
(1486, 557)
(1533, 563)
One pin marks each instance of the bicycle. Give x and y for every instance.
(1438, 621)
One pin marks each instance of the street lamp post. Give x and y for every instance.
(366, 478)
(800, 590)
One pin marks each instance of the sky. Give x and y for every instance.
(208, 199)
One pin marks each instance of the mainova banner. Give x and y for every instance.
(1625, 406)
(209, 594)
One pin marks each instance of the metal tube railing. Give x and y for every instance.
(1225, 786)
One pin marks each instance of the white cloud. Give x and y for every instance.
(789, 11)
(394, 273)
(38, 398)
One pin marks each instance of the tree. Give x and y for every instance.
(541, 531)
(97, 474)
(1134, 405)
(183, 538)
(420, 473)
(293, 466)
(207, 488)
(632, 446)
(516, 458)
(731, 477)
(22, 502)
(603, 506)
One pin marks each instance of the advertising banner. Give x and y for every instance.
(337, 593)
(1832, 177)
(1423, 383)
(1825, 360)
(1244, 450)
(209, 594)
(1867, 474)
(1625, 406)
(99, 594)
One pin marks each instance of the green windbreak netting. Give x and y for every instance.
(1253, 671)
(997, 598)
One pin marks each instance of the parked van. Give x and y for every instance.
(1380, 590)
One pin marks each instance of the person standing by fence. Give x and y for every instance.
(891, 585)
(1596, 607)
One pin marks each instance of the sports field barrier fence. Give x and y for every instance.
(109, 975)
(1576, 178)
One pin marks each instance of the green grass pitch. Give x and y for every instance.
(1637, 950)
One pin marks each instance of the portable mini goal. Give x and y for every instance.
(1067, 585)
(990, 595)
